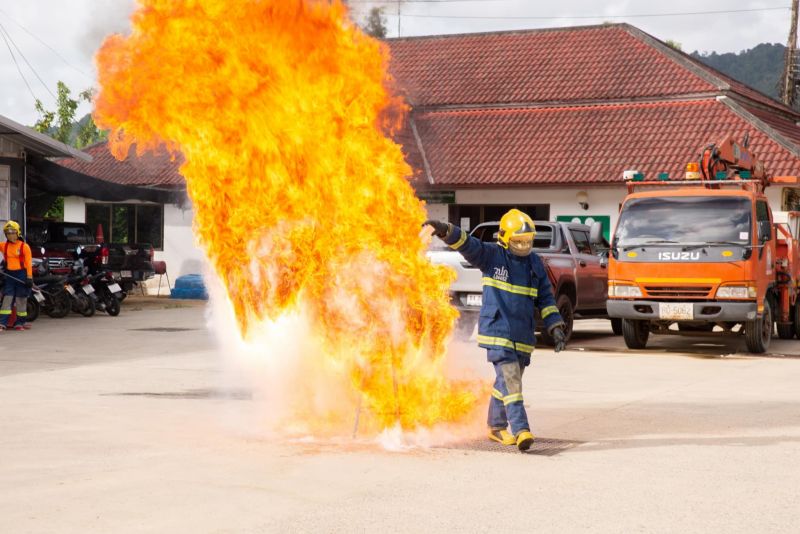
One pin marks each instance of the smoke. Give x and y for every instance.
(104, 18)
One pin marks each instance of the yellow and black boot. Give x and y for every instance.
(524, 440)
(503, 436)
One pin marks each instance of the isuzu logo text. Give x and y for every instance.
(678, 256)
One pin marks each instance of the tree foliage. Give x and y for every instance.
(61, 125)
(759, 67)
(375, 23)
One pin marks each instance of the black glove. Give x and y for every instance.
(559, 339)
(440, 228)
(29, 283)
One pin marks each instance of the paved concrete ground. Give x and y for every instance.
(106, 427)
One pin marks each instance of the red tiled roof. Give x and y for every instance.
(148, 169)
(565, 64)
(582, 144)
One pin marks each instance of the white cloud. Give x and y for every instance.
(76, 27)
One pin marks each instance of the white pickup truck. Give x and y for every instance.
(576, 261)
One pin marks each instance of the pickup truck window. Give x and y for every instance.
(582, 243)
(488, 234)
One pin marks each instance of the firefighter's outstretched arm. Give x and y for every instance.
(473, 249)
(546, 303)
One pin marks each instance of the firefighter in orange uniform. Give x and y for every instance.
(18, 279)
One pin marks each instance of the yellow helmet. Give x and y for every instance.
(516, 232)
(12, 226)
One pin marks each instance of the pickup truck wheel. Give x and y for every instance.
(758, 333)
(635, 333)
(564, 305)
(616, 326)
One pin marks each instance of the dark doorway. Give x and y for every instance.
(493, 212)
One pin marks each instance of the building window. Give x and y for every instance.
(129, 223)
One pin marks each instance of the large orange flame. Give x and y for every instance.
(281, 109)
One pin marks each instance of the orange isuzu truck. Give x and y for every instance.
(703, 255)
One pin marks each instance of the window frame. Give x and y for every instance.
(108, 226)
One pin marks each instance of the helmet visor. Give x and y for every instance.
(520, 245)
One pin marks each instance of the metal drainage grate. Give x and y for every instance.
(163, 329)
(540, 447)
(189, 394)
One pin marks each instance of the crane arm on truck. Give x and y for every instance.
(729, 160)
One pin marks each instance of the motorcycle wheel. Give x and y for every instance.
(33, 309)
(112, 306)
(58, 304)
(88, 309)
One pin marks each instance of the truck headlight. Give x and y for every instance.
(624, 291)
(736, 292)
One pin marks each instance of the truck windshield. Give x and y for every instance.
(684, 220)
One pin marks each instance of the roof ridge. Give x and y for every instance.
(608, 25)
(543, 106)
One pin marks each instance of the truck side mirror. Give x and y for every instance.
(596, 233)
(764, 231)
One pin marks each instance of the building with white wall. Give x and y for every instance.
(548, 120)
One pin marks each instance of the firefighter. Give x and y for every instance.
(18, 279)
(514, 283)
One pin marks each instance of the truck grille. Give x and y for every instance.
(690, 292)
(59, 263)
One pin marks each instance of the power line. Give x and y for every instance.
(53, 50)
(641, 15)
(30, 90)
(46, 88)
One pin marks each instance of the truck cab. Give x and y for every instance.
(702, 257)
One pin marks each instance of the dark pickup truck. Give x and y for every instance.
(574, 256)
(55, 242)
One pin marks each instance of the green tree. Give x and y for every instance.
(375, 23)
(674, 44)
(61, 125)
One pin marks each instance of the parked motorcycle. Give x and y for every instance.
(80, 290)
(107, 293)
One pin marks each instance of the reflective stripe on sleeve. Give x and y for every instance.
(549, 310)
(461, 240)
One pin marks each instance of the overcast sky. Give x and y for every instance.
(58, 38)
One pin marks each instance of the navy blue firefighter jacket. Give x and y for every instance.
(512, 287)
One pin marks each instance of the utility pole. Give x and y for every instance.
(399, 15)
(789, 80)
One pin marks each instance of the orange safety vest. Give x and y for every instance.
(18, 257)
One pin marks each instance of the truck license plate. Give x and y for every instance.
(676, 311)
(475, 299)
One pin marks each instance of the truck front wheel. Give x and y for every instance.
(616, 326)
(758, 333)
(635, 333)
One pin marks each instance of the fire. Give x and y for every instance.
(283, 112)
